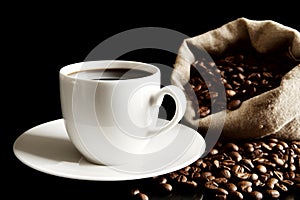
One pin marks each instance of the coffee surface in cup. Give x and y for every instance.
(110, 74)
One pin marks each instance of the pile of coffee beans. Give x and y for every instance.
(265, 168)
(243, 75)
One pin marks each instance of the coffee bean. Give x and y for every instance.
(238, 169)
(141, 196)
(287, 182)
(228, 162)
(160, 179)
(254, 177)
(281, 187)
(135, 191)
(165, 188)
(203, 111)
(248, 162)
(271, 183)
(279, 161)
(235, 195)
(221, 191)
(244, 183)
(231, 146)
(234, 104)
(191, 184)
(210, 178)
(181, 178)
(243, 176)
(221, 180)
(278, 175)
(230, 187)
(173, 175)
(261, 168)
(289, 175)
(255, 195)
(272, 193)
(225, 173)
(235, 156)
(250, 149)
(211, 185)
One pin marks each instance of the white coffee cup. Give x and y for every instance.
(110, 109)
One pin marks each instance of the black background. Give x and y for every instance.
(39, 39)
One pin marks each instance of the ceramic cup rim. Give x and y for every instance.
(67, 70)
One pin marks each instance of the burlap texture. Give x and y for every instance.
(276, 112)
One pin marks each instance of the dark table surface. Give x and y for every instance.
(40, 41)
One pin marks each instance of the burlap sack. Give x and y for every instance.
(276, 112)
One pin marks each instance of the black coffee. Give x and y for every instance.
(110, 74)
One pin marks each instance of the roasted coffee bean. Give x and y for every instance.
(230, 187)
(221, 191)
(165, 188)
(191, 184)
(173, 175)
(231, 146)
(160, 179)
(214, 152)
(244, 183)
(135, 191)
(225, 173)
(255, 195)
(243, 176)
(281, 186)
(221, 180)
(272, 193)
(228, 162)
(234, 104)
(210, 178)
(206, 174)
(211, 185)
(271, 183)
(289, 175)
(181, 178)
(287, 182)
(189, 187)
(278, 175)
(248, 162)
(216, 163)
(261, 168)
(235, 195)
(237, 169)
(254, 177)
(235, 156)
(140, 196)
(278, 161)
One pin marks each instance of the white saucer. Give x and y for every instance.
(47, 148)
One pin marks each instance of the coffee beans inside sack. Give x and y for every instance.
(258, 64)
(244, 75)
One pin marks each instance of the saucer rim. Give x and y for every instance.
(59, 122)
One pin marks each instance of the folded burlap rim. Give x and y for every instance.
(276, 112)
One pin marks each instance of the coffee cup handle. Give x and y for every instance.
(180, 101)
